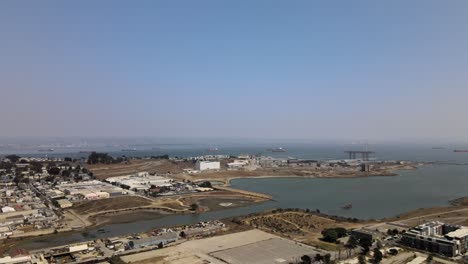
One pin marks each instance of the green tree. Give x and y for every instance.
(194, 207)
(365, 243)
(306, 259)
(362, 259)
(36, 166)
(330, 235)
(341, 232)
(54, 171)
(116, 260)
(205, 184)
(377, 256)
(430, 258)
(318, 258)
(351, 245)
(327, 258)
(6, 165)
(13, 158)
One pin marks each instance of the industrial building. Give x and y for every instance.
(365, 233)
(140, 182)
(238, 164)
(88, 190)
(64, 203)
(439, 238)
(207, 165)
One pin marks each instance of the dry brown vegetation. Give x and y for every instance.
(104, 171)
(116, 203)
(299, 225)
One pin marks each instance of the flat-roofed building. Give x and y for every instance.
(64, 203)
(437, 237)
(154, 240)
(207, 165)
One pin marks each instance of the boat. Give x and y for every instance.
(129, 150)
(347, 207)
(460, 150)
(46, 150)
(280, 149)
(213, 149)
(438, 148)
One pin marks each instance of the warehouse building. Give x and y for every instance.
(154, 240)
(207, 165)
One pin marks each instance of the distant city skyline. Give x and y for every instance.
(302, 70)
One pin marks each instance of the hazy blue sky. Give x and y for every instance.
(364, 70)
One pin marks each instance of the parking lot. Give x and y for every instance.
(274, 250)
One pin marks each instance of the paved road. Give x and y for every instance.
(107, 252)
(429, 215)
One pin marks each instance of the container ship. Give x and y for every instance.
(460, 150)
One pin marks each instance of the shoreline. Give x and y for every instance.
(226, 176)
(103, 218)
(432, 212)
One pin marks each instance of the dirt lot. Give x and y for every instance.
(104, 171)
(300, 226)
(121, 202)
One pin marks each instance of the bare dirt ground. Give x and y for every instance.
(104, 171)
(121, 202)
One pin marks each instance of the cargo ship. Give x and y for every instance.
(46, 150)
(460, 150)
(127, 150)
(280, 149)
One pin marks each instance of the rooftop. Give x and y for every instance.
(459, 233)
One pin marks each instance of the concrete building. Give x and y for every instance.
(366, 234)
(207, 165)
(78, 248)
(439, 238)
(64, 203)
(8, 209)
(154, 240)
(238, 164)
